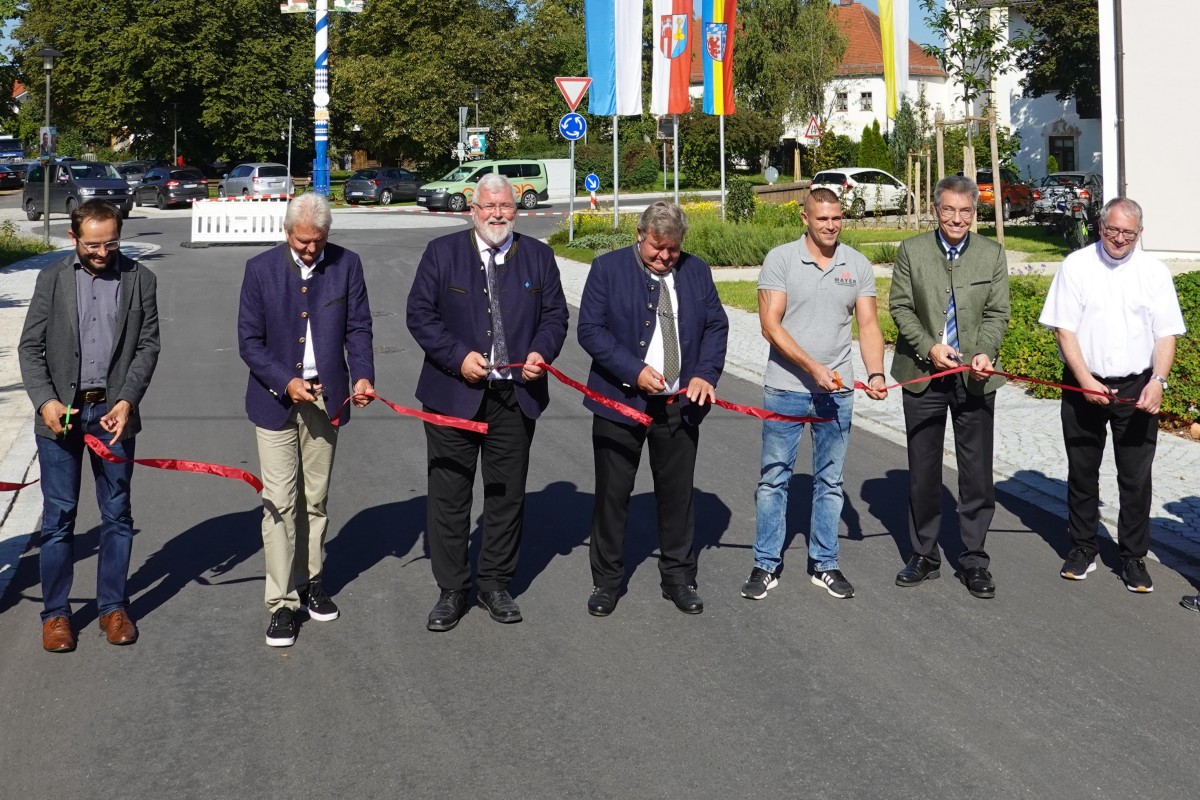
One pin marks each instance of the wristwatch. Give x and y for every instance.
(1161, 380)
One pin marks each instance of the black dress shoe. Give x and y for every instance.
(451, 605)
(918, 570)
(602, 602)
(684, 597)
(978, 582)
(500, 606)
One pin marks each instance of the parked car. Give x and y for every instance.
(255, 180)
(1016, 194)
(9, 179)
(381, 185)
(1087, 187)
(132, 172)
(455, 190)
(864, 190)
(166, 186)
(22, 168)
(72, 183)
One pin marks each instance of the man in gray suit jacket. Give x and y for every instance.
(950, 303)
(88, 350)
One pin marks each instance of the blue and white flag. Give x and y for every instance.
(614, 56)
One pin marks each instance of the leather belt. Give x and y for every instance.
(94, 395)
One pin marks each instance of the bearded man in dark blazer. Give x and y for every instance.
(88, 349)
(304, 330)
(950, 302)
(481, 299)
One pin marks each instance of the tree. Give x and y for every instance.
(873, 150)
(1060, 52)
(747, 134)
(787, 53)
(974, 49)
(905, 138)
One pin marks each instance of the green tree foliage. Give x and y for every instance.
(1008, 144)
(975, 46)
(747, 134)
(873, 150)
(1060, 53)
(787, 53)
(228, 70)
(905, 138)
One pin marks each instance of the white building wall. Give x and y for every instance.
(852, 121)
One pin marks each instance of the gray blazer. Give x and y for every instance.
(921, 284)
(49, 348)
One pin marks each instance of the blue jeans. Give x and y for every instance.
(61, 462)
(780, 442)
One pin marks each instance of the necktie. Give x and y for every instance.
(666, 324)
(499, 344)
(951, 311)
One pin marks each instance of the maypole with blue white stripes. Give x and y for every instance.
(321, 101)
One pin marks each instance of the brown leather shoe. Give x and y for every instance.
(118, 627)
(57, 636)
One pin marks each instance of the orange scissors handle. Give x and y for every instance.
(837, 379)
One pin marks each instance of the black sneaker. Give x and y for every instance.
(1078, 564)
(759, 583)
(1137, 579)
(834, 582)
(1191, 602)
(319, 604)
(282, 631)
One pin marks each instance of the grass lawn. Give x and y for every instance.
(1036, 240)
(16, 247)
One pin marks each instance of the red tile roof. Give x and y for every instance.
(864, 50)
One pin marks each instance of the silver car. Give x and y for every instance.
(255, 180)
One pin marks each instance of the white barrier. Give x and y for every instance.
(237, 220)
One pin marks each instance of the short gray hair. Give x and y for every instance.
(958, 184)
(310, 208)
(664, 219)
(1121, 204)
(495, 183)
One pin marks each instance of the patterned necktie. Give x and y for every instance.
(499, 344)
(952, 311)
(670, 340)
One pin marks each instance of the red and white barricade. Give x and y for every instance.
(239, 220)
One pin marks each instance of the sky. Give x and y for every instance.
(918, 31)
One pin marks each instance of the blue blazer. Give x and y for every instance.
(276, 307)
(448, 316)
(617, 316)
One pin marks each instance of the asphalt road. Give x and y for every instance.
(1053, 689)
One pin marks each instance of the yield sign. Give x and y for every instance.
(573, 89)
(813, 131)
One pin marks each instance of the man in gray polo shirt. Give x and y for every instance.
(808, 293)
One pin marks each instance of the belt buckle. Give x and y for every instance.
(94, 396)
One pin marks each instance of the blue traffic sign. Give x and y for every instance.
(572, 126)
(591, 182)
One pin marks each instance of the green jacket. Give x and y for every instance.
(921, 285)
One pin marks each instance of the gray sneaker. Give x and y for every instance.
(834, 582)
(759, 583)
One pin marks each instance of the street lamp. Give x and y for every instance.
(475, 93)
(48, 55)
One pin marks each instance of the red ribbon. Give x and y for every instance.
(434, 419)
(175, 464)
(14, 487)
(620, 408)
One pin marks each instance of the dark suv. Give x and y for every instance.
(73, 183)
(168, 186)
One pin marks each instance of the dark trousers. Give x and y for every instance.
(973, 417)
(452, 456)
(1135, 437)
(618, 449)
(61, 462)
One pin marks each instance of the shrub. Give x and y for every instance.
(1183, 398)
(639, 166)
(779, 215)
(604, 242)
(1029, 348)
(881, 253)
(739, 201)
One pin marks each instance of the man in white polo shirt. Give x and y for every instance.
(1115, 315)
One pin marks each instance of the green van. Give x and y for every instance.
(454, 191)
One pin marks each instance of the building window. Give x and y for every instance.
(866, 101)
(842, 103)
(1063, 150)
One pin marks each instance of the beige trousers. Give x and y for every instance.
(296, 463)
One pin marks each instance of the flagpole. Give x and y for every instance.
(616, 170)
(676, 153)
(722, 166)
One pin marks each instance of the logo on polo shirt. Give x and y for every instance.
(845, 279)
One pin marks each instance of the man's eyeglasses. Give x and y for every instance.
(96, 247)
(504, 207)
(953, 213)
(1119, 233)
